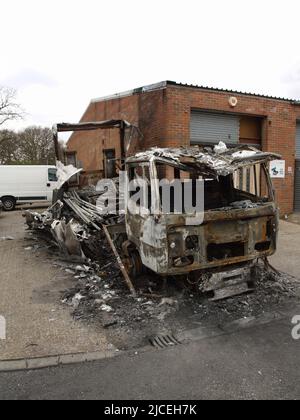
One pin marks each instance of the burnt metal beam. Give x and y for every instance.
(120, 262)
(87, 126)
(90, 126)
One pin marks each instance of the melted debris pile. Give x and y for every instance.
(74, 223)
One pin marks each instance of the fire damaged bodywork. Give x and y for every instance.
(239, 222)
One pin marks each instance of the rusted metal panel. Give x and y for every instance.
(230, 283)
(155, 249)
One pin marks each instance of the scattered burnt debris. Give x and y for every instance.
(79, 228)
(74, 222)
(100, 299)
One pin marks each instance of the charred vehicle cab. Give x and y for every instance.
(236, 224)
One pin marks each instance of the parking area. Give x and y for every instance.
(287, 257)
(30, 299)
(33, 284)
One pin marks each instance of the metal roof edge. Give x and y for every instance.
(165, 84)
(143, 89)
(183, 85)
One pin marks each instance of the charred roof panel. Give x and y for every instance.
(205, 160)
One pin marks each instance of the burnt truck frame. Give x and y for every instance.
(238, 226)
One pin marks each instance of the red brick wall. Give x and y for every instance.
(279, 126)
(163, 117)
(152, 121)
(90, 144)
(145, 110)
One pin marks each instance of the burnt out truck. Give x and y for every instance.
(218, 246)
(215, 245)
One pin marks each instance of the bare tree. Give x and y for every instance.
(9, 108)
(31, 146)
(9, 147)
(36, 146)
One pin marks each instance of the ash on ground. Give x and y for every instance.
(100, 297)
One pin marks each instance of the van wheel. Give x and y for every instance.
(9, 203)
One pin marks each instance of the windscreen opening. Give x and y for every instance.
(246, 188)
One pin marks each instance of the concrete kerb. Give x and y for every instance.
(186, 337)
(52, 361)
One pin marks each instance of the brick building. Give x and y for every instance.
(171, 115)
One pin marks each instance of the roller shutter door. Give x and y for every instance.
(297, 186)
(297, 170)
(298, 141)
(211, 128)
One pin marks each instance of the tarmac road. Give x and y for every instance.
(260, 362)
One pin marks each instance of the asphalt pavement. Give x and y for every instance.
(260, 362)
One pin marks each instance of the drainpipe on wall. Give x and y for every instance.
(122, 144)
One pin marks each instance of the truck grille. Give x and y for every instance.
(224, 251)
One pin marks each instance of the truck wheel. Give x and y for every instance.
(136, 268)
(9, 203)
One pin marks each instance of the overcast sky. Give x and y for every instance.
(59, 54)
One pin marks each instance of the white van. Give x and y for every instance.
(26, 184)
